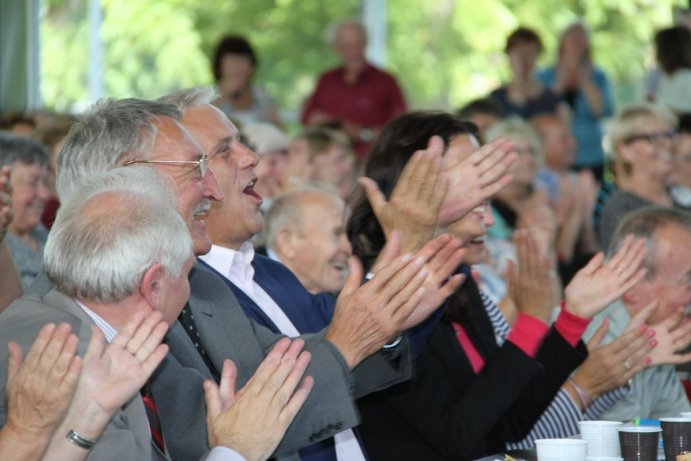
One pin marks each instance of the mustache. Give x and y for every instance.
(202, 207)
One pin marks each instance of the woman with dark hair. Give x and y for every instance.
(469, 395)
(673, 52)
(524, 95)
(233, 66)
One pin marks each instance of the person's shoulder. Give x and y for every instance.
(331, 74)
(25, 316)
(269, 264)
(278, 271)
(381, 73)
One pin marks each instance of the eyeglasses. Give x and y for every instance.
(202, 163)
(654, 138)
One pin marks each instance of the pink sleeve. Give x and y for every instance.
(527, 333)
(570, 326)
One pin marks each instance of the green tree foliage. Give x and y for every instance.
(444, 52)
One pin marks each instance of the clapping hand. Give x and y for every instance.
(673, 335)
(476, 178)
(612, 365)
(530, 285)
(600, 283)
(113, 373)
(413, 207)
(40, 387)
(252, 421)
(403, 291)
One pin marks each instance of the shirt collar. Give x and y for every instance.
(108, 331)
(234, 264)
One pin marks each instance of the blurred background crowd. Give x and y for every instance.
(594, 108)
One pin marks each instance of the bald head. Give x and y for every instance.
(349, 39)
(306, 230)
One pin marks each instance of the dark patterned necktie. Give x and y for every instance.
(152, 416)
(187, 320)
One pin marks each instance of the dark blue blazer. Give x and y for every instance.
(309, 313)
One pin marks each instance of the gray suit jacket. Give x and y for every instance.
(226, 333)
(127, 434)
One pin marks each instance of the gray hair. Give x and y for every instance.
(190, 97)
(100, 253)
(516, 128)
(108, 133)
(286, 211)
(643, 223)
(15, 148)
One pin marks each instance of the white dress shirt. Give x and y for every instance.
(236, 266)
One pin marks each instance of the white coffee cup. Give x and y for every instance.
(561, 449)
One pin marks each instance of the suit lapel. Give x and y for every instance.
(218, 314)
(284, 292)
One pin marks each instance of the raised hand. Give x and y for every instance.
(444, 255)
(40, 387)
(253, 421)
(531, 284)
(112, 374)
(673, 335)
(600, 283)
(474, 179)
(611, 365)
(395, 299)
(413, 207)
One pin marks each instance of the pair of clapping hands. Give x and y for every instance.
(593, 288)
(412, 275)
(53, 391)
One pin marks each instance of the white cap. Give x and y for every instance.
(265, 138)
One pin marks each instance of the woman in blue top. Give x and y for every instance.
(585, 88)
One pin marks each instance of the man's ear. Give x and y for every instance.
(151, 287)
(285, 244)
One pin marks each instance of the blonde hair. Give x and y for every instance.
(516, 128)
(627, 122)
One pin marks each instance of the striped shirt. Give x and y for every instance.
(561, 417)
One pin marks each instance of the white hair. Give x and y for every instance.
(191, 97)
(111, 231)
(105, 135)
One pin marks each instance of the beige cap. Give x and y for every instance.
(265, 138)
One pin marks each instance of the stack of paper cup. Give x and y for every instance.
(676, 433)
(602, 437)
(561, 449)
(639, 443)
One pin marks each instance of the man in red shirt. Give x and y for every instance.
(357, 98)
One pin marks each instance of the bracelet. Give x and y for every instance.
(80, 441)
(585, 398)
(394, 343)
